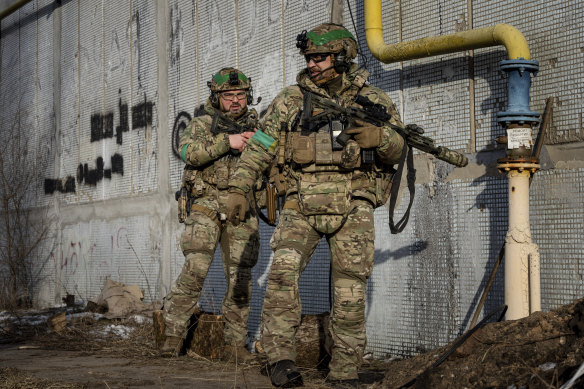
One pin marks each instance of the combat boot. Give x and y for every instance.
(171, 347)
(237, 354)
(284, 374)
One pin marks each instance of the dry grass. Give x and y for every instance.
(92, 335)
(17, 379)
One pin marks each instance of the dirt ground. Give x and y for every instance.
(543, 350)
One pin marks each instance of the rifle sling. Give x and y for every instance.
(408, 154)
(213, 128)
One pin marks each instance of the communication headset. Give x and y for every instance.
(214, 98)
(341, 64)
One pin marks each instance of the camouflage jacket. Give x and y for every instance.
(209, 159)
(266, 145)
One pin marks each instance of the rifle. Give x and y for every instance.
(376, 114)
(223, 124)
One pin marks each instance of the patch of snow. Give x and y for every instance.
(94, 315)
(547, 366)
(117, 330)
(140, 319)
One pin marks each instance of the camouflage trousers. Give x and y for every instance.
(239, 249)
(351, 242)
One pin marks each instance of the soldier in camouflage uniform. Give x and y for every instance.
(330, 192)
(210, 155)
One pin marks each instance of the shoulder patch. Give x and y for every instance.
(265, 140)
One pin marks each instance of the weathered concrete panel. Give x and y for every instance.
(124, 249)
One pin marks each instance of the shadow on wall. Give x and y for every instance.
(485, 66)
(492, 199)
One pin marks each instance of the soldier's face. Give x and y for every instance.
(319, 66)
(233, 101)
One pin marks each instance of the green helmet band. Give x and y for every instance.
(319, 40)
(221, 79)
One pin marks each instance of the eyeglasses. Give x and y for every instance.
(232, 96)
(318, 57)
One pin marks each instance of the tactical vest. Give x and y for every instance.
(324, 175)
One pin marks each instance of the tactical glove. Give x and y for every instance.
(237, 205)
(367, 135)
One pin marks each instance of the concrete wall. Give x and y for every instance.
(104, 87)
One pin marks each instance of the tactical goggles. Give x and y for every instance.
(232, 96)
(316, 57)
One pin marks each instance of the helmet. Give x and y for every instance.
(329, 38)
(229, 79)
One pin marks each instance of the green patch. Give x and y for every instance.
(320, 40)
(183, 153)
(220, 79)
(265, 140)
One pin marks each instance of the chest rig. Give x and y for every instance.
(315, 140)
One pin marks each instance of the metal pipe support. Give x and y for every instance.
(522, 277)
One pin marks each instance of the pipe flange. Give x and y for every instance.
(521, 164)
(522, 65)
(523, 117)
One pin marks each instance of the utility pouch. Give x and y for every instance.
(182, 198)
(324, 148)
(323, 194)
(221, 175)
(193, 182)
(303, 148)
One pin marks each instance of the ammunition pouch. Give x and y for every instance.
(303, 148)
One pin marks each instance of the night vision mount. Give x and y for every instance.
(302, 40)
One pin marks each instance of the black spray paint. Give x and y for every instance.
(102, 127)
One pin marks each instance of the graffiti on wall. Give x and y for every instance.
(102, 128)
(181, 122)
(79, 256)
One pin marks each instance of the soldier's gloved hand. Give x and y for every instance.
(237, 205)
(367, 135)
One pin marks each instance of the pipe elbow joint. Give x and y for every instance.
(513, 40)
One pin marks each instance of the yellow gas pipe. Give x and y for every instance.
(500, 34)
(522, 277)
